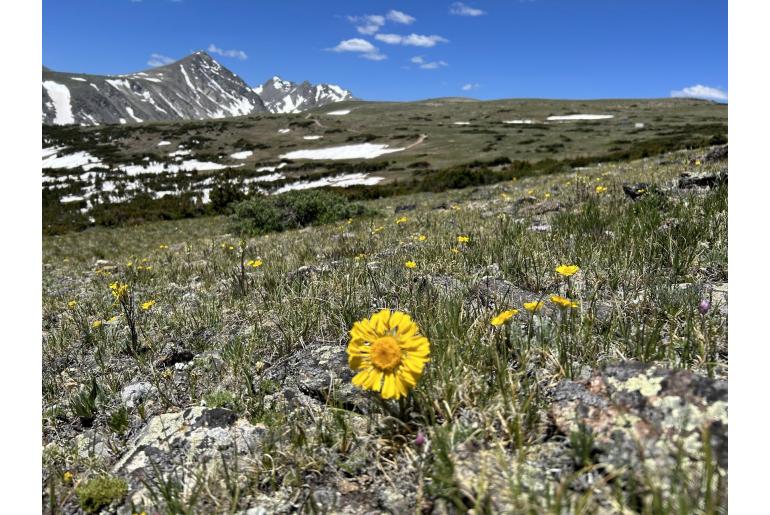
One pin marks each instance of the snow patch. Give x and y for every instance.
(312, 137)
(283, 131)
(518, 121)
(79, 79)
(462, 123)
(338, 181)
(164, 143)
(241, 155)
(60, 95)
(359, 151)
(581, 117)
(82, 158)
(341, 112)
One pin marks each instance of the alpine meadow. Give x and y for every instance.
(415, 277)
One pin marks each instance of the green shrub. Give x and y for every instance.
(100, 492)
(292, 210)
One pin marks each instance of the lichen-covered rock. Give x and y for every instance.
(136, 393)
(642, 417)
(181, 445)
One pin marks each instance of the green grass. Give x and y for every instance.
(483, 388)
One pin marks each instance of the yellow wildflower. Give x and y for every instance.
(119, 290)
(130, 264)
(254, 263)
(567, 270)
(147, 305)
(378, 229)
(162, 246)
(96, 324)
(697, 162)
(422, 237)
(402, 220)
(503, 317)
(112, 319)
(388, 352)
(410, 264)
(67, 477)
(600, 189)
(71, 304)
(563, 301)
(463, 239)
(533, 306)
(455, 207)
(361, 256)
(455, 250)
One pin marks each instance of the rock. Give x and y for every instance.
(493, 292)
(438, 284)
(90, 444)
(716, 154)
(174, 357)
(405, 207)
(635, 191)
(703, 180)
(136, 393)
(541, 227)
(183, 445)
(314, 376)
(638, 416)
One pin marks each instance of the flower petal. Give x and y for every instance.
(389, 388)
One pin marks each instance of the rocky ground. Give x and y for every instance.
(236, 397)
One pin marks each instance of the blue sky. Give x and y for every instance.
(408, 50)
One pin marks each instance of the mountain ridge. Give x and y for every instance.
(196, 87)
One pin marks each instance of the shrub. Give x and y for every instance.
(100, 492)
(292, 210)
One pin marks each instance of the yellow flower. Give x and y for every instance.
(410, 264)
(67, 477)
(112, 319)
(388, 352)
(130, 264)
(563, 301)
(361, 256)
(147, 305)
(697, 162)
(463, 239)
(254, 263)
(600, 189)
(503, 317)
(422, 237)
(378, 229)
(162, 246)
(96, 324)
(567, 270)
(455, 207)
(533, 306)
(230, 247)
(119, 290)
(455, 250)
(402, 220)
(71, 304)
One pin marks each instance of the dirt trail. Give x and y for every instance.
(419, 140)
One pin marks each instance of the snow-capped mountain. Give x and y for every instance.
(194, 88)
(283, 96)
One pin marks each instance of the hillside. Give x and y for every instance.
(234, 394)
(365, 149)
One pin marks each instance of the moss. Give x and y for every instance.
(99, 492)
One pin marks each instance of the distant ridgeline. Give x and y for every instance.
(194, 88)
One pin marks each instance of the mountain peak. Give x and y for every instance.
(284, 96)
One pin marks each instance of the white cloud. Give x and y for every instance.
(240, 54)
(460, 9)
(411, 40)
(470, 86)
(374, 56)
(701, 91)
(425, 65)
(400, 17)
(360, 46)
(355, 45)
(159, 60)
(368, 24)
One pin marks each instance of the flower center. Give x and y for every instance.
(386, 353)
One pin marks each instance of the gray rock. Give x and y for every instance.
(136, 393)
(184, 445)
(90, 444)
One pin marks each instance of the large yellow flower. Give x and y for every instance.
(388, 352)
(503, 317)
(567, 270)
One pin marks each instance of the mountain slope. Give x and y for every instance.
(194, 88)
(283, 96)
